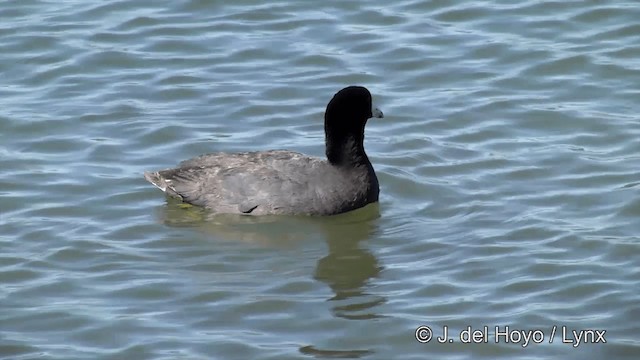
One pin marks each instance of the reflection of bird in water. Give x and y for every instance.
(347, 269)
(347, 272)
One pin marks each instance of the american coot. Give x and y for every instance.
(286, 182)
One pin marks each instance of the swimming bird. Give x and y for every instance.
(284, 182)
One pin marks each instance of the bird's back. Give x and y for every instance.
(268, 182)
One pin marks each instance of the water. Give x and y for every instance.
(508, 161)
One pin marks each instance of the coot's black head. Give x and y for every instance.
(344, 121)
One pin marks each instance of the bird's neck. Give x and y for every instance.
(347, 151)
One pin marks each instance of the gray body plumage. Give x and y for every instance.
(285, 182)
(268, 182)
